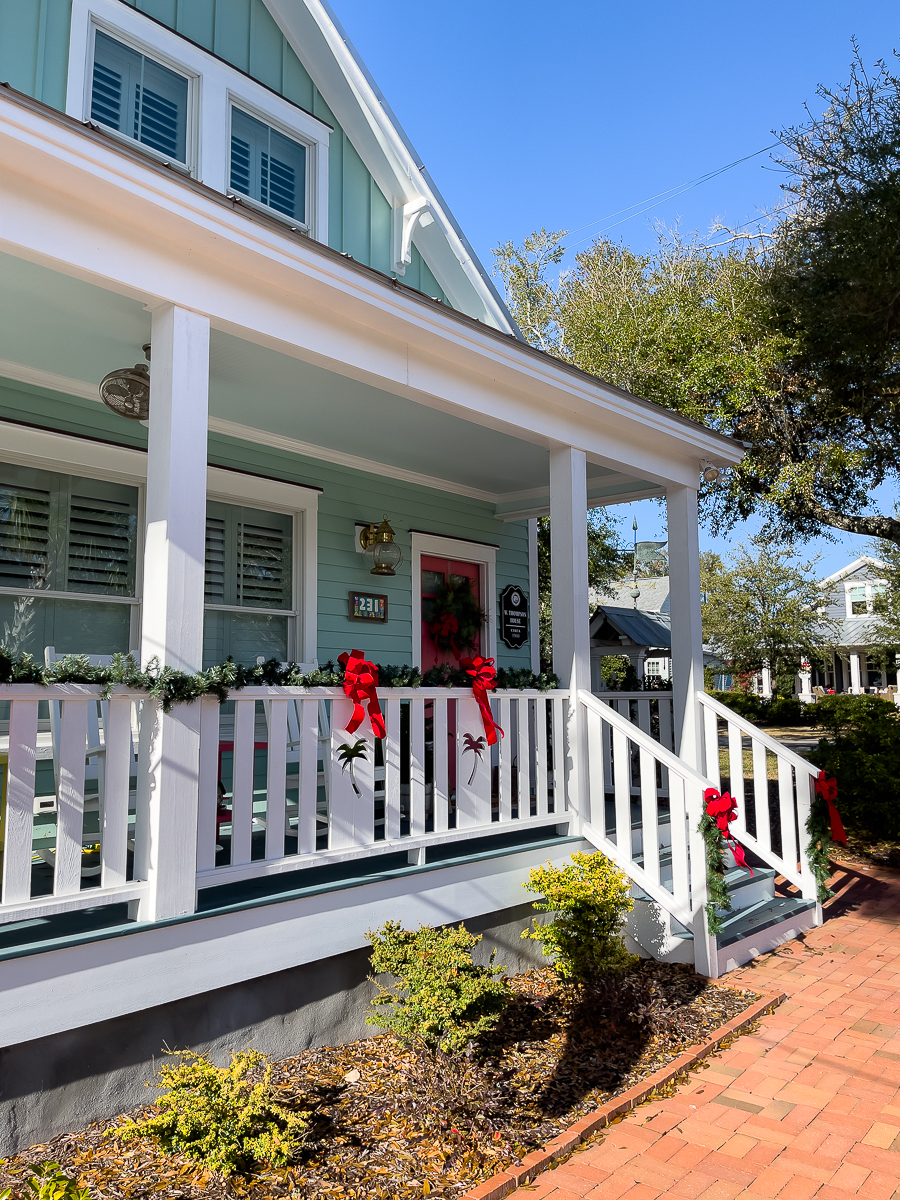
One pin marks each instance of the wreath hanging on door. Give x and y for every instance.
(455, 618)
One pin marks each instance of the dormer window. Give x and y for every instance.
(857, 598)
(139, 97)
(268, 167)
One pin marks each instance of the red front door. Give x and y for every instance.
(436, 574)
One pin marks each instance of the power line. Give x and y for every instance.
(661, 197)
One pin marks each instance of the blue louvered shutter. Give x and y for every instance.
(139, 97)
(267, 166)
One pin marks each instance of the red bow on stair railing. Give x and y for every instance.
(723, 810)
(484, 678)
(828, 790)
(360, 682)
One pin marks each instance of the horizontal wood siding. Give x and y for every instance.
(244, 33)
(348, 496)
(34, 48)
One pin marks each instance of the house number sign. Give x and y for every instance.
(513, 617)
(364, 606)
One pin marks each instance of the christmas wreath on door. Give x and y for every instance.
(455, 618)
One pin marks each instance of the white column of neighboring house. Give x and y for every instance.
(766, 682)
(687, 631)
(172, 610)
(855, 674)
(806, 685)
(569, 590)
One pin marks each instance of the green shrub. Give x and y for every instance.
(590, 899)
(47, 1181)
(863, 755)
(785, 710)
(439, 997)
(745, 704)
(220, 1117)
(618, 673)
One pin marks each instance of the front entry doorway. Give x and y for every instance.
(437, 575)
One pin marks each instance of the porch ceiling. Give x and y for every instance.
(65, 333)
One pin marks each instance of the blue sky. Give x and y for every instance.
(531, 114)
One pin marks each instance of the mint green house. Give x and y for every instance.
(239, 328)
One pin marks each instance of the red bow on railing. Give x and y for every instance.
(445, 626)
(484, 678)
(828, 790)
(360, 682)
(723, 810)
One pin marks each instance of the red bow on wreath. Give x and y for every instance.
(723, 810)
(484, 678)
(445, 626)
(828, 790)
(360, 682)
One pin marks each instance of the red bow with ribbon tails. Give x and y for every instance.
(360, 682)
(723, 810)
(445, 626)
(828, 790)
(484, 678)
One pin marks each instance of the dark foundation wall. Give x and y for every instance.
(65, 1081)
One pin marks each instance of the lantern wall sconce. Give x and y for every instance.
(379, 545)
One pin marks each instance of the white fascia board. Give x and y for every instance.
(334, 67)
(77, 203)
(850, 569)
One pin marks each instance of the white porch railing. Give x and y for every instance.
(273, 791)
(771, 813)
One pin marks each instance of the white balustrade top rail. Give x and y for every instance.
(778, 835)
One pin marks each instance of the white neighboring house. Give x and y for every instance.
(849, 599)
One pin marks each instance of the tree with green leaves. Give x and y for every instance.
(787, 339)
(762, 608)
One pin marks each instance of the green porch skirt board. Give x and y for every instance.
(348, 496)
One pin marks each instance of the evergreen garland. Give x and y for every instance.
(173, 687)
(716, 887)
(818, 826)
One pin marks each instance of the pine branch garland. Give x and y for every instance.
(818, 826)
(719, 897)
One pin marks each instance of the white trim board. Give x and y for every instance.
(462, 551)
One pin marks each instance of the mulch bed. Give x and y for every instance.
(392, 1124)
(866, 852)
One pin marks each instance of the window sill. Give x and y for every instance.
(292, 223)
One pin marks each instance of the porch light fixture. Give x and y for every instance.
(127, 391)
(710, 471)
(379, 543)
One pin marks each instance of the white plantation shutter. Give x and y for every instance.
(25, 547)
(267, 166)
(139, 97)
(101, 546)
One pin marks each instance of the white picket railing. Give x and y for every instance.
(645, 806)
(93, 799)
(771, 821)
(288, 799)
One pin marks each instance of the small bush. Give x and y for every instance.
(745, 704)
(590, 899)
(780, 710)
(439, 998)
(863, 755)
(47, 1181)
(220, 1117)
(618, 673)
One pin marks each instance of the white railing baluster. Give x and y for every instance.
(70, 797)
(242, 782)
(679, 833)
(558, 729)
(208, 800)
(711, 731)
(416, 767)
(523, 756)
(736, 777)
(540, 754)
(392, 710)
(441, 773)
(761, 795)
(116, 783)
(790, 851)
(276, 778)
(649, 814)
(352, 789)
(308, 790)
(666, 727)
(622, 789)
(20, 775)
(506, 757)
(473, 780)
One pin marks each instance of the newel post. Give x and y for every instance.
(172, 615)
(570, 611)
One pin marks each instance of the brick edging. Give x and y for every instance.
(560, 1147)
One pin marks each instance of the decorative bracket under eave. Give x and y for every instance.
(406, 218)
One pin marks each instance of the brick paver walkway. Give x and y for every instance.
(808, 1106)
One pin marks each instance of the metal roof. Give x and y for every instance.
(646, 629)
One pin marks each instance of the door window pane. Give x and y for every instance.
(139, 97)
(267, 166)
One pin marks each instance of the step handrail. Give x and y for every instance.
(754, 731)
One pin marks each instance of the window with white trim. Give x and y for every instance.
(249, 594)
(139, 97)
(68, 553)
(268, 167)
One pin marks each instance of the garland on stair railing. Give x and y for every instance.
(720, 811)
(824, 825)
(172, 687)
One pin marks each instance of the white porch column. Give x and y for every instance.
(173, 601)
(766, 682)
(687, 632)
(806, 694)
(571, 615)
(855, 675)
(534, 633)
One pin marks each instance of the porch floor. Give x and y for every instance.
(40, 934)
(809, 1106)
